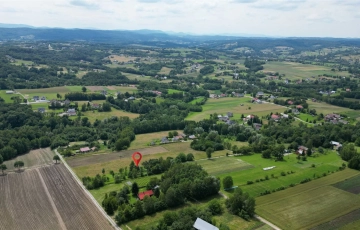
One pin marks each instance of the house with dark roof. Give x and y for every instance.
(71, 112)
(164, 140)
(230, 114)
(257, 126)
(142, 195)
(41, 110)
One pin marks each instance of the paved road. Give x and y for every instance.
(112, 222)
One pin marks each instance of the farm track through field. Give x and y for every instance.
(24, 204)
(75, 207)
(101, 158)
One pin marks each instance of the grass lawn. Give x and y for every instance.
(303, 169)
(223, 165)
(304, 117)
(7, 97)
(20, 62)
(310, 204)
(294, 71)
(231, 104)
(165, 70)
(93, 115)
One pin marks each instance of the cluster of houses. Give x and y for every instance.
(180, 137)
(335, 119)
(326, 92)
(256, 100)
(226, 118)
(155, 92)
(40, 99)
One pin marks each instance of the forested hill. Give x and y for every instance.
(105, 36)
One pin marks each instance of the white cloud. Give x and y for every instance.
(270, 17)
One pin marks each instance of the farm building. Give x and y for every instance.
(41, 110)
(9, 92)
(260, 94)
(201, 224)
(71, 112)
(142, 195)
(336, 145)
(85, 150)
(302, 150)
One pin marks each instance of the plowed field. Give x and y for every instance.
(46, 198)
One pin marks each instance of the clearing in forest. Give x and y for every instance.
(47, 198)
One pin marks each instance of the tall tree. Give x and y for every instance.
(228, 182)
(19, 164)
(135, 189)
(56, 158)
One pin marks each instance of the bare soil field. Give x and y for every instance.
(32, 159)
(75, 207)
(94, 159)
(46, 198)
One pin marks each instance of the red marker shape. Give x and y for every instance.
(136, 158)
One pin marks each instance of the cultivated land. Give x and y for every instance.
(310, 204)
(34, 158)
(302, 169)
(231, 104)
(294, 71)
(47, 198)
(82, 160)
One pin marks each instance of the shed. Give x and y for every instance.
(201, 224)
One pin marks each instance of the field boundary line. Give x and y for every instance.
(256, 216)
(307, 190)
(112, 222)
(60, 220)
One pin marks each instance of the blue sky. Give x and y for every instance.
(302, 18)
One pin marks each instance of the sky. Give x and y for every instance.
(291, 18)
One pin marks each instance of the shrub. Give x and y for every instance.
(250, 182)
(283, 174)
(313, 165)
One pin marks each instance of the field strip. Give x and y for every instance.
(87, 192)
(305, 190)
(56, 211)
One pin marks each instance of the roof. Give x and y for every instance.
(142, 195)
(86, 149)
(203, 225)
(274, 116)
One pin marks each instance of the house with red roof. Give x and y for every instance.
(275, 117)
(299, 107)
(142, 195)
(290, 102)
(85, 150)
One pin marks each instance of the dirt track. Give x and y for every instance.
(93, 159)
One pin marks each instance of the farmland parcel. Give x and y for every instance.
(47, 198)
